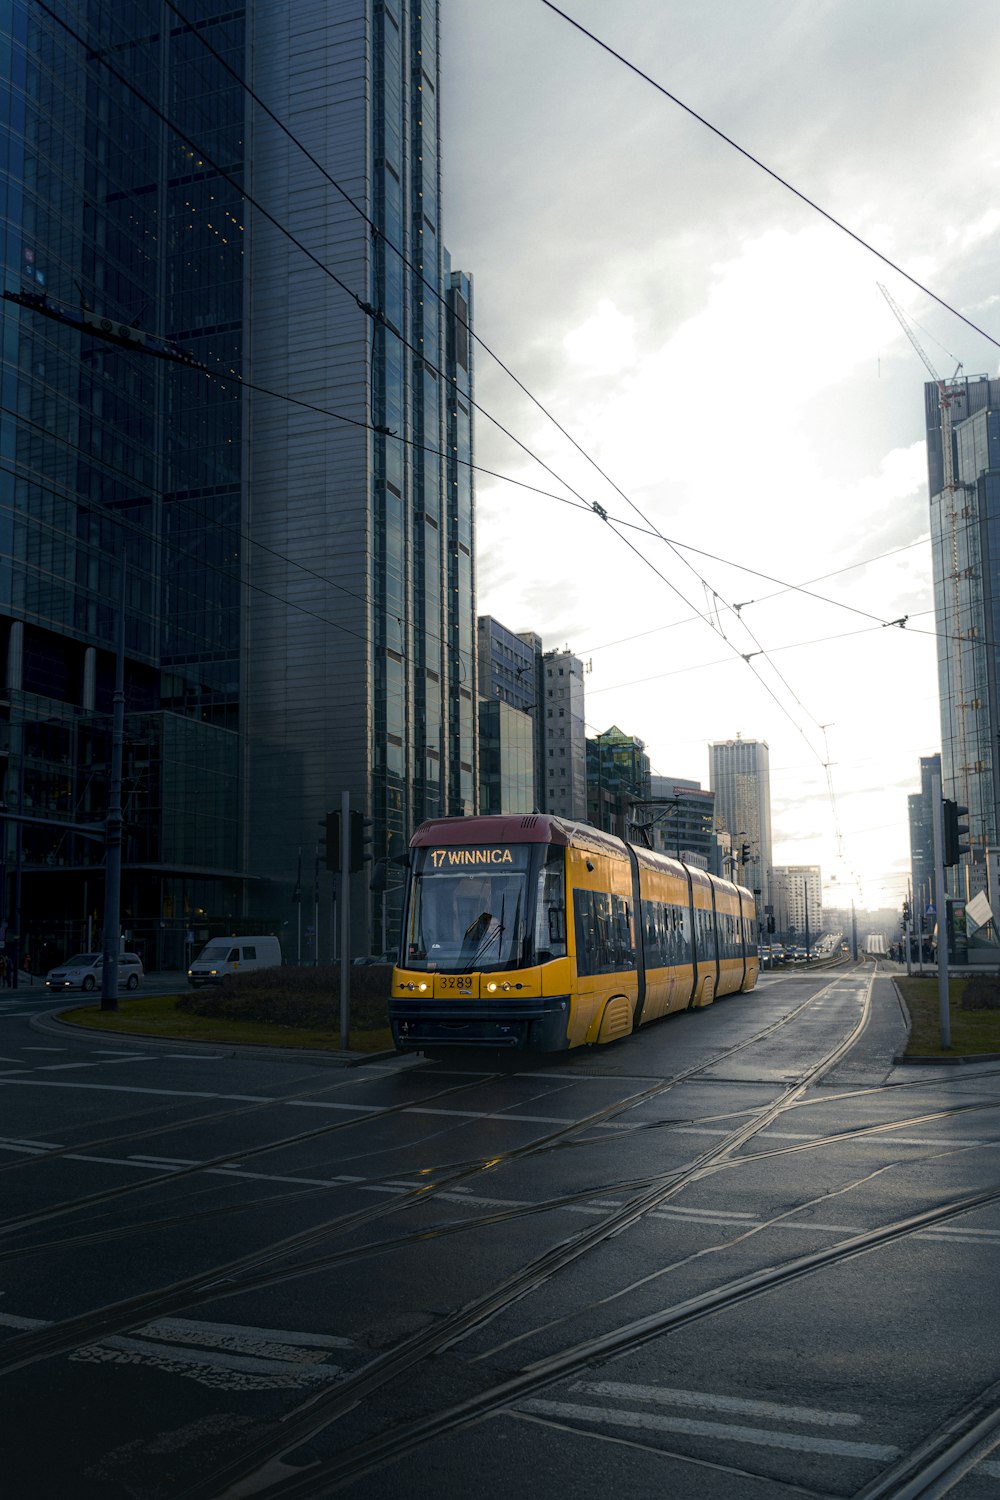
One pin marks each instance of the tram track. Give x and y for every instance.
(326, 1477)
(126, 1190)
(239, 1274)
(304, 1422)
(516, 1210)
(660, 1086)
(262, 1470)
(166, 1127)
(945, 1456)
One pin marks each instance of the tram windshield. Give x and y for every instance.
(484, 907)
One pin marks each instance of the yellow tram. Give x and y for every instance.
(540, 934)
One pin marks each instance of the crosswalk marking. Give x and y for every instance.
(603, 1416)
(224, 1356)
(706, 1401)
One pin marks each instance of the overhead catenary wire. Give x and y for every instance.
(711, 620)
(711, 617)
(432, 288)
(770, 171)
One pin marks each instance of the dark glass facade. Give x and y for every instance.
(120, 472)
(965, 549)
(921, 815)
(618, 778)
(299, 590)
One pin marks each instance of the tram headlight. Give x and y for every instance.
(492, 987)
(422, 986)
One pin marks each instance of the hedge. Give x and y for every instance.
(297, 996)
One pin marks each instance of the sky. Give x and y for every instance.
(733, 389)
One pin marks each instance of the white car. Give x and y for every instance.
(84, 970)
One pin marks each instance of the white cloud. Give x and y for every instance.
(605, 343)
(725, 356)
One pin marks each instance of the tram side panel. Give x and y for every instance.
(600, 889)
(665, 915)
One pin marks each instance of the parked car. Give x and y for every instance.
(84, 971)
(233, 955)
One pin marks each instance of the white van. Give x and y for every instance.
(233, 955)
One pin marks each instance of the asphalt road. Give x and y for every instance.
(740, 1256)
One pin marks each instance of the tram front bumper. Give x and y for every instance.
(538, 1025)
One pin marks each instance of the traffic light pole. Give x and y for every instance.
(345, 919)
(941, 901)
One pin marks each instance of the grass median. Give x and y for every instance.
(973, 1016)
(271, 1008)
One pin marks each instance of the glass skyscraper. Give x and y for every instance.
(965, 550)
(292, 525)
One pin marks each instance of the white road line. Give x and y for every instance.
(10, 1320)
(160, 1354)
(362, 1109)
(718, 1431)
(111, 1062)
(706, 1401)
(36, 1147)
(478, 1114)
(196, 1327)
(125, 1088)
(64, 1067)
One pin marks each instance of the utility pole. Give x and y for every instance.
(113, 820)
(805, 892)
(345, 919)
(941, 904)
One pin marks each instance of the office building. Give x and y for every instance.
(797, 892)
(963, 464)
(506, 759)
(564, 739)
(682, 816)
(618, 781)
(295, 522)
(921, 816)
(508, 694)
(740, 778)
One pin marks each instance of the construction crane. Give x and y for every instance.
(948, 393)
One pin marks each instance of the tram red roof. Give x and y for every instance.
(515, 828)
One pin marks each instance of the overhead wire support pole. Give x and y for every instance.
(345, 920)
(941, 903)
(113, 821)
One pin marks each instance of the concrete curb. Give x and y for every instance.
(51, 1023)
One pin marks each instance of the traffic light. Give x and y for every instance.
(744, 854)
(954, 831)
(329, 841)
(361, 841)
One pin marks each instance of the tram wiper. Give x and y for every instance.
(489, 933)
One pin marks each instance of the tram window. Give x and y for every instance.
(550, 908)
(603, 933)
